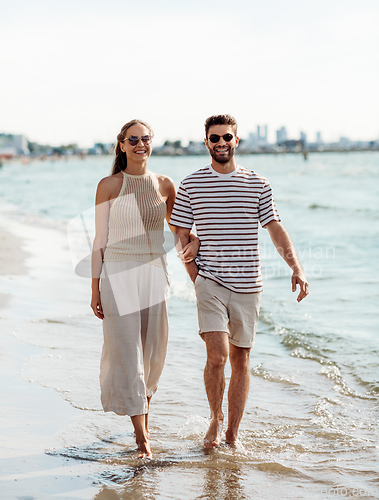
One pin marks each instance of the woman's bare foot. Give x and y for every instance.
(144, 449)
(212, 438)
(142, 438)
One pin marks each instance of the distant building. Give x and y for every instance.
(21, 144)
(105, 148)
(318, 138)
(196, 148)
(255, 140)
(344, 143)
(13, 145)
(292, 146)
(261, 139)
(303, 138)
(252, 139)
(281, 135)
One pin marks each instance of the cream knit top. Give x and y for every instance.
(136, 222)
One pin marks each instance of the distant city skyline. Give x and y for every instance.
(12, 146)
(76, 71)
(274, 137)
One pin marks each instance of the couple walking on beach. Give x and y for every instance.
(225, 202)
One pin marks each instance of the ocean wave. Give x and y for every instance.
(318, 348)
(259, 371)
(316, 206)
(278, 467)
(301, 341)
(46, 320)
(194, 428)
(329, 424)
(92, 452)
(334, 373)
(278, 432)
(372, 388)
(303, 349)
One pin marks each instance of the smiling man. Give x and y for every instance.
(226, 202)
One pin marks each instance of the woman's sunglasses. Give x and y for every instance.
(215, 138)
(134, 140)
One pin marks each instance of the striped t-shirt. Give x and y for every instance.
(225, 209)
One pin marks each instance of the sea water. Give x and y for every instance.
(310, 428)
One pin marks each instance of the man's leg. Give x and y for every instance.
(238, 389)
(214, 379)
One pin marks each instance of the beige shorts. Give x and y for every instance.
(221, 310)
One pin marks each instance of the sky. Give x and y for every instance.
(75, 71)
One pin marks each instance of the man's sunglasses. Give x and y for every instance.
(215, 138)
(134, 140)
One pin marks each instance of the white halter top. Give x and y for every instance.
(136, 222)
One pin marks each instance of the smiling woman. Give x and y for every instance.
(129, 278)
(131, 205)
(120, 162)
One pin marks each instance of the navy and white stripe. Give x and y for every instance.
(226, 209)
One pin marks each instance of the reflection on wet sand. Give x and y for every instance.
(223, 483)
(214, 481)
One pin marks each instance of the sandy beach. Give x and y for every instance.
(31, 415)
(12, 258)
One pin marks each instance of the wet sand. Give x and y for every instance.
(12, 258)
(31, 415)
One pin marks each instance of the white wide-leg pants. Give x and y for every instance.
(134, 299)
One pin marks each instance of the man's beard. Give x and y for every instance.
(224, 158)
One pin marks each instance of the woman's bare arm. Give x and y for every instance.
(102, 206)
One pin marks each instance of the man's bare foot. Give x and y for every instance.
(231, 439)
(144, 449)
(236, 444)
(212, 438)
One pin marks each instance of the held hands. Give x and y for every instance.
(189, 252)
(298, 278)
(96, 304)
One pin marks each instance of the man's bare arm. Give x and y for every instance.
(286, 248)
(183, 238)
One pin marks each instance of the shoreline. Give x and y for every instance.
(12, 260)
(181, 152)
(12, 255)
(33, 416)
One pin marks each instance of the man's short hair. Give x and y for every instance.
(220, 120)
